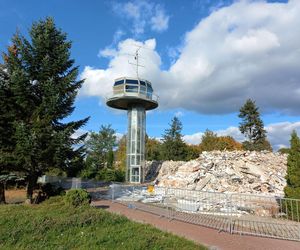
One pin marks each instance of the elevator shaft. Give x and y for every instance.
(136, 143)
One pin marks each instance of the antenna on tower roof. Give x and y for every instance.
(136, 58)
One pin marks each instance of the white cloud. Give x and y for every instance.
(255, 41)
(98, 82)
(117, 35)
(107, 52)
(119, 136)
(249, 49)
(160, 21)
(278, 134)
(179, 114)
(143, 13)
(194, 138)
(233, 132)
(230, 131)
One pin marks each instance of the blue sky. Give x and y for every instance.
(204, 58)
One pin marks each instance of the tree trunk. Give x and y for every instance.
(32, 179)
(2, 193)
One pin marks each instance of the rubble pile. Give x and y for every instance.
(226, 171)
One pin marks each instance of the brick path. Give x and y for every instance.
(200, 234)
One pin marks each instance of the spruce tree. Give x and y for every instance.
(292, 189)
(7, 118)
(173, 147)
(252, 127)
(43, 86)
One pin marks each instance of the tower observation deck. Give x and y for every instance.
(136, 96)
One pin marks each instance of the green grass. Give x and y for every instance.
(54, 225)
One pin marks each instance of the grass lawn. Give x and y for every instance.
(54, 225)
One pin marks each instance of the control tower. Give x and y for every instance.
(136, 96)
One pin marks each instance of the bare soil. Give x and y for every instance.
(15, 196)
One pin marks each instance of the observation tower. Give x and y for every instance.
(136, 96)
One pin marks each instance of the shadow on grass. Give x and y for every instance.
(102, 206)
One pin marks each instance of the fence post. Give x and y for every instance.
(113, 192)
(133, 201)
(132, 192)
(230, 215)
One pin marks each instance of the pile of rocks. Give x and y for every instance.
(226, 171)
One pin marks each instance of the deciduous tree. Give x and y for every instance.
(211, 141)
(121, 154)
(153, 149)
(100, 148)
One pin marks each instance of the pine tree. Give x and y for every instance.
(173, 147)
(42, 80)
(252, 127)
(292, 190)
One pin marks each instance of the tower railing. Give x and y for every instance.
(130, 93)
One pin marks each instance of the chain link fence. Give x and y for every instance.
(259, 215)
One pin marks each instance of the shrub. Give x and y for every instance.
(120, 175)
(284, 150)
(77, 197)
(107, 174)
(50, 190)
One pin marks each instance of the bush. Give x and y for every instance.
(107, 174)
(259, 145)
(283, 150)
(77, 197)
(120, 175)
(49, 190)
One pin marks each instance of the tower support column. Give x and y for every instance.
(136, 143)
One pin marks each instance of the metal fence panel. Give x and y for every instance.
(259, 215)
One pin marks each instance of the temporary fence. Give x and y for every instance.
(259, 215)
(71, 182)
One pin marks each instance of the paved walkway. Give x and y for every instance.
(203, 235)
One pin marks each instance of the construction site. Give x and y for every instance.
(193, 192)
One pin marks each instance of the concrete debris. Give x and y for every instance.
(224, 171)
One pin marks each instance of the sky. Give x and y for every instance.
(205, 58)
